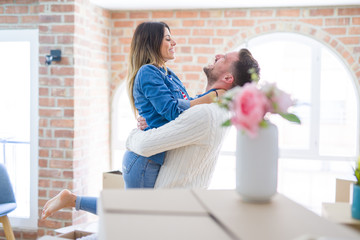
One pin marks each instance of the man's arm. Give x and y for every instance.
(187, 129)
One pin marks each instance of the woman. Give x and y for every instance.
(156, 94)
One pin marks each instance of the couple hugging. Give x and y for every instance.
(182, 135)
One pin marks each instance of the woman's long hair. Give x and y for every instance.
(144, 49)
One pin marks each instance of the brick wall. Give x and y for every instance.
(200, 34)
(75, 94)
(73, 99)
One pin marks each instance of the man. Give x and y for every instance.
(192, 141)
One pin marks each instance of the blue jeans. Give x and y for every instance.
(88, 204)
(139, 171)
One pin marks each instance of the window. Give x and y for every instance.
(18, 122)
(123, 121)
(326, 144)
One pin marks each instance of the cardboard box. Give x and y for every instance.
(162, 214)
(70, 235)
(113, 180)
(74, 235)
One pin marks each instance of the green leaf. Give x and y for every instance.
(291, 117)
(227, 123)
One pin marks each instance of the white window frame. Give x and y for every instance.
(313, 152)
(32, 36)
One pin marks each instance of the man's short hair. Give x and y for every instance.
(242, 66)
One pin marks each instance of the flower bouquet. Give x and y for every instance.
(251, 104)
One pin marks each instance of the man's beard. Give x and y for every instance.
(211, 77)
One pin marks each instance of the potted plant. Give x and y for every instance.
(355, 208)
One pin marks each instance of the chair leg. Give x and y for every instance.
(9, 234)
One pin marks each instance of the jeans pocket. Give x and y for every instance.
(128, 161)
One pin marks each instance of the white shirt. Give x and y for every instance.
(192, 141)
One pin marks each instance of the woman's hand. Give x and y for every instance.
(141, 123)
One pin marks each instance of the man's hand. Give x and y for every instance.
(141, 123)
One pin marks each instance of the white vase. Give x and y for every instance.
(257, 165)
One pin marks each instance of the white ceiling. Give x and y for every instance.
(213, 4)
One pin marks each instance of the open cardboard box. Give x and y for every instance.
(113, 179)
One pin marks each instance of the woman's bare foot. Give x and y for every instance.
(64, 199)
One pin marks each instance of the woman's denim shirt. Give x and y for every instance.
(158, 95)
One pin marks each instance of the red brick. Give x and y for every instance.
(44, 92)
(69, 18)
(180, 32)
(203, 32)
(49, 224)
(312, 21)
(59, 184)
(50, 112)
(350, 40)
(43, 163)
(46, 102)
(349, 11)
(58, 92)
(141, 15)
(46, 143)
(287, 13)
(337, 21)
(242, 23)
(63, 29)
(336, 31)
(66, 123)
(62, 71)
(124, 24)
(226, 32)
(217, 23)
(356, 21)
(66, 103)
(68, 174)
(214, 14)
(199, 41)
(30, 19)
(45, 183)
(321, 12)
(191, 68)
(61, 164)
(261, 13)
(186, 14)
(204, 50)
(162, 14)
(354, 31)
(56, 154)
(217, 41)
(49, 18)
(68, 113)
(65, 143)
(8, 19)
(235, 13)
(64, 134)
(62, 8)
(193, 23)
(49, 173)
(29, 234)
(119, 15)
(65, 39)
(16, 9)
(46, 39)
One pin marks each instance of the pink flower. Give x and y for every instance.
(280, 100)
(249, 107)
